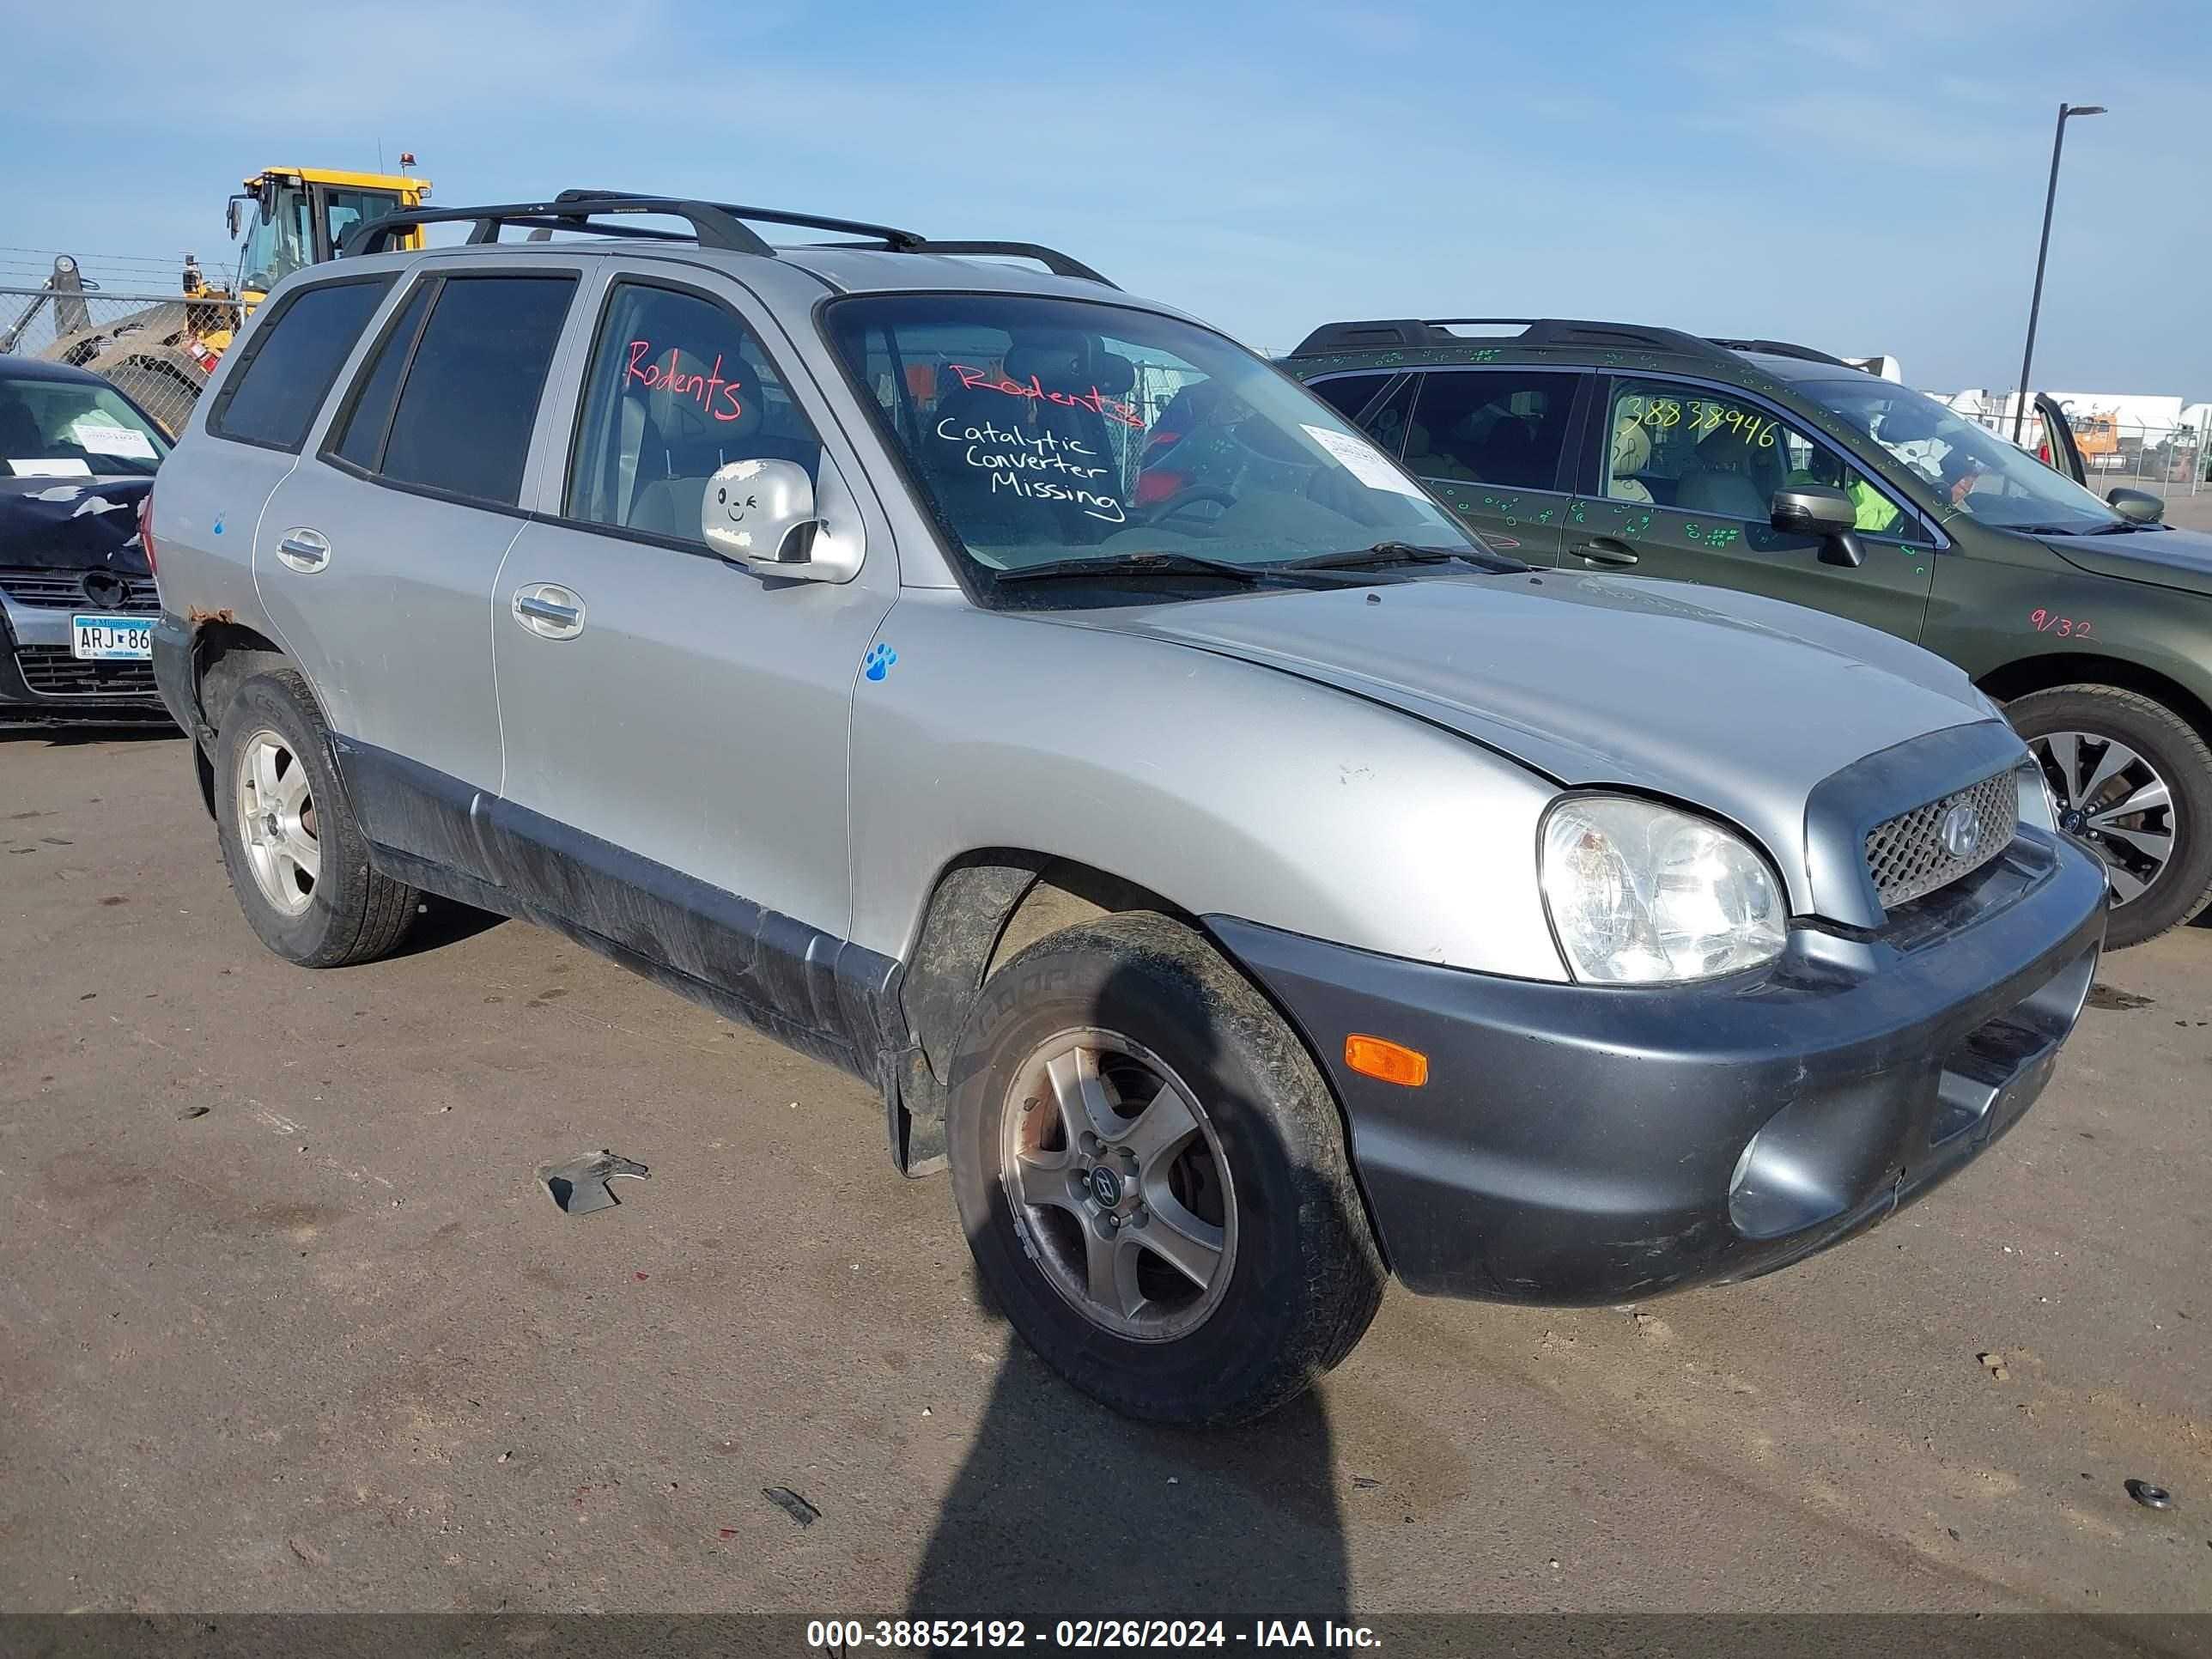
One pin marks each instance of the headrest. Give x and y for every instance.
(1631, 446)
(1070, 364)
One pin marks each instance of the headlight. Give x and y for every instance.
(1641, 894)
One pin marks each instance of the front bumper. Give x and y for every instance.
(1592, 1144)
(41, 679)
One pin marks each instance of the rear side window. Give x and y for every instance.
(463, 421)
(1347, 394)
(359, 435)
(1491, 426)
(293, 357)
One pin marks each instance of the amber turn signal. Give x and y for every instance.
(1393, 1062)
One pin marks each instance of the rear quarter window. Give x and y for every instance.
(292, 361)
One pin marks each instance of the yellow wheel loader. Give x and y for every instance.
(162, 354)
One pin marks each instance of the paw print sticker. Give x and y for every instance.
(877, 664)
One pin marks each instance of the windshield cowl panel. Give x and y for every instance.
(1042, 431)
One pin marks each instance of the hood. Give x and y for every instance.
(73, 524)
(2170, 558)
(1731, 701)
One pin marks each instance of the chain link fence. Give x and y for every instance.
(158, 349)
(2167, 460)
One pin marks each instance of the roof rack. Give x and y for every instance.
(1541, 331)
(1784, 348)
(714, 224)
(1535, 332)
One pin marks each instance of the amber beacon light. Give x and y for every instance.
(1393, 1062)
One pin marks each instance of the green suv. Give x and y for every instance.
(1754, 464)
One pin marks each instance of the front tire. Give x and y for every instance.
(2133, 781)
(1153, 1176)
(297, 859)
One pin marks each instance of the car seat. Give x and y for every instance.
(664, 495)
(1632, 453)
(1730, 478)
(19, 437)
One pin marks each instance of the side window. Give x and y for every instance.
(677, 388)
(1702, 451)
(1491, 426)
(1347, 394)
(463, 422)
(358, 436)
(272, 397)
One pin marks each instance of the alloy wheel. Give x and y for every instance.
(276, 822)
(2111, 800)
(1117, 1180)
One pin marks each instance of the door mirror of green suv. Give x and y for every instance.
(2137, 505)
(1823, 511)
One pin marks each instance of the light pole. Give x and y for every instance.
(2042, 252)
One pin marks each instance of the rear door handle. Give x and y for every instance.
(304, 550)
(1606, 550)
(549, 611)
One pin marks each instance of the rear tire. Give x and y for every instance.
(1248, 1183)
(2084, 728)
(297, 859)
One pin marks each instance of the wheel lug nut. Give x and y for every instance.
(1092, 1145)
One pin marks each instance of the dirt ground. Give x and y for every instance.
(286, 1323)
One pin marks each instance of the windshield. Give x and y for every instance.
(277, 245)
(1979, 473)
(67, 429)
(1045, 430)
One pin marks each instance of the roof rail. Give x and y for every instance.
(1535, 332)
(714, 224)
(1784, 348)
(1058, 264)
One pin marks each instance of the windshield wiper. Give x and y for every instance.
(1132, 565)
(1387, 553)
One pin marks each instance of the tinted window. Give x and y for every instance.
(274, 394)
(464, 415)
(360, 430)
(1703, 451)
(1491, 426)
(678, 388)
(1347, 394)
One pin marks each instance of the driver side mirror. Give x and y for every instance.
(768, 516)
(1824, 511)
(230, 216)
(2137, 505)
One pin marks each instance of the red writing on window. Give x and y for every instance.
(717, 396)
(2065, 627)
(1094, 400)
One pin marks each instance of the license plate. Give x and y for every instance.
(112, 639)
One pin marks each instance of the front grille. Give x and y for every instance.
(50, 671)
(1907, 858)
(64, 590)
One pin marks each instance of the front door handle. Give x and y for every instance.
(304, 550)
(549, 611)
(1606, 550)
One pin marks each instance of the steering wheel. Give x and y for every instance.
(1161, 511)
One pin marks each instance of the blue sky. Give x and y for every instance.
(1860, 178)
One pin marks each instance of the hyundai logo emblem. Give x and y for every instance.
(1961, 831)
(105, 588)
(1105, 1186)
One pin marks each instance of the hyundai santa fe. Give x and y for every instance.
(1247, 882)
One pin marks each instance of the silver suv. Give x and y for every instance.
(1250, 887)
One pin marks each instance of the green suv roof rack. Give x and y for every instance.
(714, 224)
(1434, 332)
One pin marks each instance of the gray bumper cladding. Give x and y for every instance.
(1586, 1144)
